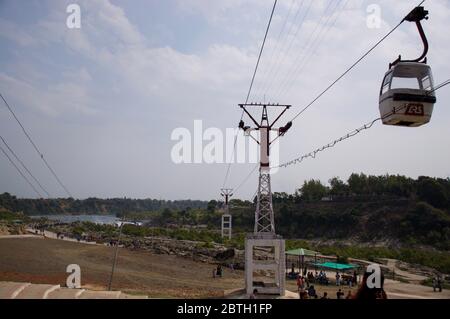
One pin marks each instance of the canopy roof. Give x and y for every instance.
(336, 266)
(302, 252)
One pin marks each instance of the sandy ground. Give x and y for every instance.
(39, 260)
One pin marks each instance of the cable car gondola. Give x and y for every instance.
(407, 92)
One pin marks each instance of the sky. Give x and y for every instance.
(103, 101)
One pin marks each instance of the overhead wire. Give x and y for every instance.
(281, 54)
(24, 166)
(275, 50)
(350, 68)
(366, 126)
(280, 62)
(294, 73)
(313, 153)
(41, 155)
(20, 172)
(250, 89)
(246, 178)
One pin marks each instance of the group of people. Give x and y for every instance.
(350, 280)
(308, 291)
(318, 277)
(321, 278)
(305, 289)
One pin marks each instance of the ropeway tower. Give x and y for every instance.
(226, 216)
(264, 236)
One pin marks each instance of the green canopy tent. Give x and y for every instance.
(301, 253)
(336, 266)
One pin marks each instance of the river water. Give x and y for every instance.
(98, 219)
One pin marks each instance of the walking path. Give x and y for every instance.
(20, 290)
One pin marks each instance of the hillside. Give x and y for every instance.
(111, 206)
(387, 208)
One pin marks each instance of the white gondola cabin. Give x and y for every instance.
(406, 96)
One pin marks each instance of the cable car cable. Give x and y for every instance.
(440, 86)
(350, 68)
(20, 172)
(261, 51)
(278, 41)
(311, 39)
(287, 84)
(250, 88)
(36, 148)
(24, 166)
(313, 154)
(246, 178)
(282, 54)
(351, 134)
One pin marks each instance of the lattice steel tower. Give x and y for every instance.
(264, 218)
(273, 279)
(226, 217)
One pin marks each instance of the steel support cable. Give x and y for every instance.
(19, 171)
(250, 89)
(32, 176)
(24, 166)
(318, 26)
(351, 67)
(246, 178)
(313, 153)
(348, 69)
(352, 133)
(36, 148)
(280, 56)
(437, 87)
(286, 85)
(278, 40)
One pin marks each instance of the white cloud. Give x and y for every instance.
(109, 61)
(11, 32)
(67, 97)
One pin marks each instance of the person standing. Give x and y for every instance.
(439, 283)
(300, 283)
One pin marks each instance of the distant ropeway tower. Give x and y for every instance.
(226, 216)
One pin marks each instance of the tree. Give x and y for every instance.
(429, 190)
(211, 208)
(312, 190)
(358, 183)
(337, 187)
